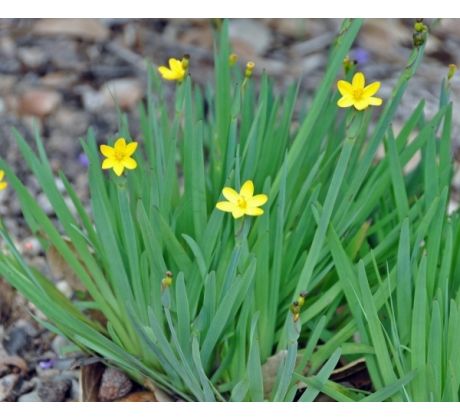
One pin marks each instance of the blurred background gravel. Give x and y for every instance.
(60, 76)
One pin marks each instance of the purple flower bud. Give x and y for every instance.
(83, 160)
(46, 364)
(361, 55)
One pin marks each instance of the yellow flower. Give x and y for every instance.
(357, 94)
(3, 184)
(176, 70)
(119, 157)
(244, 202)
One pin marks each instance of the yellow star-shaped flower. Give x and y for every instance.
(119, 157)
(3, 184)
(357, 94)
(177, 70)
(242, 203)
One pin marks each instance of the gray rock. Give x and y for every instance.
(54, 390)
(16, 340)
(253, 36)
(30, 246)
(30, 397)
(45, 204)
(32, 57)
(75, 391)
(27, 326)
(59, 344)
(7, 384)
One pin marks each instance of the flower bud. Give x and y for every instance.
(185, 61)
(301, 298)
(348, 64)
(232, 59)
(167, 281)
(452, 71)
(249, 69)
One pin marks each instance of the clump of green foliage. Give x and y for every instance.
(354, 257)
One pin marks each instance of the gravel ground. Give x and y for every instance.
(60, 76)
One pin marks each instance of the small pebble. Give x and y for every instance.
(44, 203)
(59, 345)
(114, 385)
(17, 339)
(64, 288)
(54, 390)
(30, 397)
(75, 391)
(7, 384)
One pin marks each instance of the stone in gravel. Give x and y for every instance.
(28, 327)
(7, 384)
(93, 101)
(30, 246)
(252, 37)
(75, 391)
(114, 385)
(30, 397)
(59, 344)
(46, 373)
(73, 120)
(16, 340)
(26, 386)
(44, 203)
(54, 390)
(125, 92)
(64, 56)
(32, 57)
(87, 29)
(64, 288)
(7, 82)
(39, 102)
(58, 79)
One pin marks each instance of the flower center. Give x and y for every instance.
(358, 93)
(242, 203)
(119, 155)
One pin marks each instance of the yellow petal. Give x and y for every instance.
(361, 104)
(247, 190)
(2, 174)
(166, 73)
(118, 168)
(344, 87)
(254, 211)
(371, 89)
(225, 206)
(375, 101)
(231, 195)
(129, 163)
(176, 66)
(131, 148)
(107, 151)
(107, 163)
(3, 185)
(237, 213)
(257, 200)
(358, 81)
(345, 102)
(120, 144)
